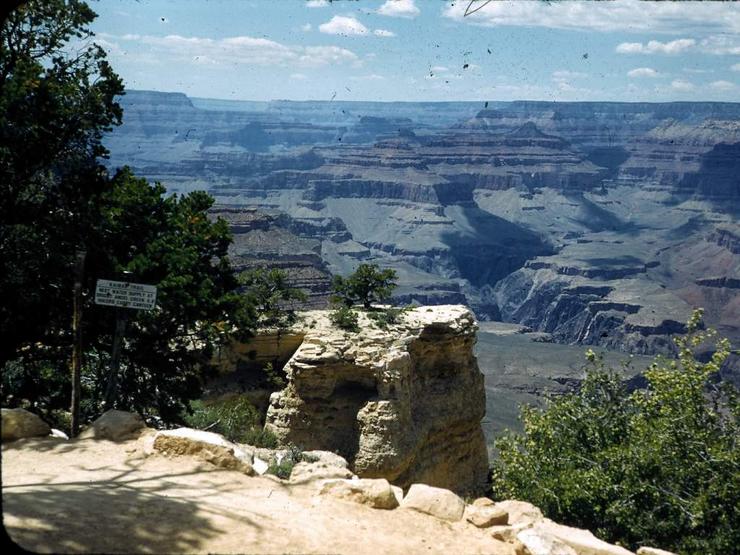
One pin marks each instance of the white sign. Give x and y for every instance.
(125, 295)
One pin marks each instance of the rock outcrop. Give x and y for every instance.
(404, 404)
(206, 446)
(20, 423)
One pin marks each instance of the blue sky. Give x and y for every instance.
(414, 50)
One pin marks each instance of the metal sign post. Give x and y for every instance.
(122, 295)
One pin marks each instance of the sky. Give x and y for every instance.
(425, 50)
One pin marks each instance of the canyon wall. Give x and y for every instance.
(596, 222)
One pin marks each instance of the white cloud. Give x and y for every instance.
(642, 72)
(439, 69)
(735, 67)
(317, 3)
(399, 8)
(722, 85)
(682, 85)
(299, 76)
(371, 77)
(325, 55)
(241, 50)
(697, 70)
(721, 45)
(566, 74)
(619, 15)
(383, 33)
(306, 27)
(343, 25)
(656, 47)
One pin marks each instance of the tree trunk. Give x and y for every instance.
(77, 345)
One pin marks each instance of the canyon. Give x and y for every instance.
(590, 223)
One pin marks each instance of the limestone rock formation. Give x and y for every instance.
(19, 423)
(404, 403)
(320, 465)
(114, 425)
(374, 492)
(206, 446)
(438, 502)
(653, 551)
(542, 536)
(486, 516)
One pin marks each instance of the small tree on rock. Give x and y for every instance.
(368, 284)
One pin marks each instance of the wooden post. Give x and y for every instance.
(77, 344)
(111, 390)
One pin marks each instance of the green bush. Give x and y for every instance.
(659, 466)
(235, 418)
(368, 284)
(284, 469)
(345, 318)
(386, 317)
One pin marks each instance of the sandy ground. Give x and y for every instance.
(104, 497)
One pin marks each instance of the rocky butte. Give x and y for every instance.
(404, 403)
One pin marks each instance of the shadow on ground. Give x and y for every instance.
(125, 513)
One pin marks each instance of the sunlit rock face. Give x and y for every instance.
(403, 403)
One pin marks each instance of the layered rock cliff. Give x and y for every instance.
(404, 403)
(486, 204)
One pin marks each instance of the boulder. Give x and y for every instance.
(376, 493)
(320, 465)
(483, 502)
(539, 542)
(438, 502)
(114, 425)
(507, 533)
(581, 541)
(520, 512)
(206, 446)
(19, 423)
(307, 472)
(653, 551)
(486, 516)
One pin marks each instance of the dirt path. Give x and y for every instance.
(104, 497)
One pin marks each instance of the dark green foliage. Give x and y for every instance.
(271, 295)
(345, 318)
(235, 418)
(55, 104)
(368, 284)
(659, 466)
(56, 101)
(386, 317)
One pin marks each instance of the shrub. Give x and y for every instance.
(386, 317)
(368, 284)
(659, 466)
(292, 457)
(235, 418)
(345, 318)
(268, 290)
